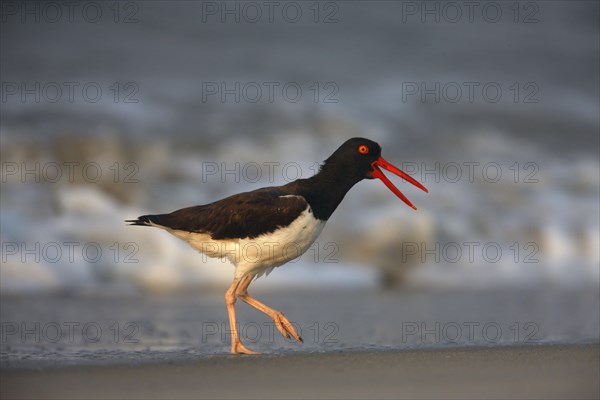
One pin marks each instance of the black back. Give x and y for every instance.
(243, 215)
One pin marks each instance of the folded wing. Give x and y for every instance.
(244, 215)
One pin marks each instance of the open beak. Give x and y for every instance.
(376, 173)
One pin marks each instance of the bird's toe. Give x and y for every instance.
(286, 327)
(239, 348)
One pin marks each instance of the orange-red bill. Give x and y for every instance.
(386, 165)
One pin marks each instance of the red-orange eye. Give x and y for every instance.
(362, 149)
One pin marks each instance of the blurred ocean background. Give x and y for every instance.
(515, 170)
(151, 106)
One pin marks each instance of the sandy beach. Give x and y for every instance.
(548, 372)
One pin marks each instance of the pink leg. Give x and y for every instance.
(281, 322)
(236, 345)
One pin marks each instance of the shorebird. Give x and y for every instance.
(265, 228)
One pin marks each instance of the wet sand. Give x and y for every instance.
(543, 371)
(44, 331)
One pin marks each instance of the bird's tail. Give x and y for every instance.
(144, 220)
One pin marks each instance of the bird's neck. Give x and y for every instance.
(323, 191)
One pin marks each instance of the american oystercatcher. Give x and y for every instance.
(263, 229)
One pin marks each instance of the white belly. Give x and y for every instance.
(263, 253)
